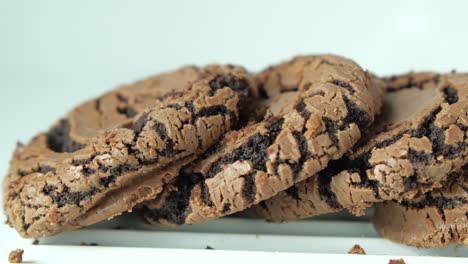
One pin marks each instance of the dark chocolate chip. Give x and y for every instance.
(78, 162)
(451, 95)
(254, 150)
(114, 172)
(205, 194)
(221, 81)
(345, 85)
(262, 92)
(66, 196)
(140, 123)
(293, 192)
(161, 130)
(301, 109)
(176, 205)
(122, 98)
(356, 115)
(324, 181)
(128, 111)
(226, 207)
(438, 201)
(97, 105)
(303, 149)
(250, 188)
(58, 138)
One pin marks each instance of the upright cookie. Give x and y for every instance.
(111, 153)
(431, 220)
(420, 138)
(316, 108)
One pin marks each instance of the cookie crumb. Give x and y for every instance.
(35, 242)
(210, 248)
(357, 249)
(89, 244)
(396, 261)
(16, 256)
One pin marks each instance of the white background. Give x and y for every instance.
(55, 54)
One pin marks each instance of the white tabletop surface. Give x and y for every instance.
(55, 54)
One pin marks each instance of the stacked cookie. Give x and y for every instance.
(313, 135)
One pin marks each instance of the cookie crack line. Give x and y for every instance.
(395, 160)
(328, 106)
(77, 167)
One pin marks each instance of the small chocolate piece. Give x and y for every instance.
(316, 108)
(356, 249)
(420, 138)
(16, 256)
(434, 219)
(113, 152)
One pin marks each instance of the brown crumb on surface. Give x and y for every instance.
(89, 244)
(396, 261)
(35, 242)
(357, 249)
(16, 256)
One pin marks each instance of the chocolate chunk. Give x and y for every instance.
(343, 84)
(58, 138)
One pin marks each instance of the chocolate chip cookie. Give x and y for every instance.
(420, 138)
(113, 152)
(315, 110)
(434, 219)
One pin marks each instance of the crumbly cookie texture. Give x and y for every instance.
(357, 250)
(315, 110)
(16, 256)
(434, 219)
(420, 138)
(111, 153)
(396, 261)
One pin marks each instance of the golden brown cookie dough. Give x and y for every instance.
(316, 108)
(420, 138)
(434, 219)
(108, 154)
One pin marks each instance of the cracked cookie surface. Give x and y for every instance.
(315, 109)
(115, 151)
(434, 219)
(420, 138)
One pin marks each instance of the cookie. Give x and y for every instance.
(315, 109)
(115, 151)
(420, 138)
(434, 219)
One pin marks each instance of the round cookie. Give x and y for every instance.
(419, 139)
(431, 220)
(118, 150)
(316, 108)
